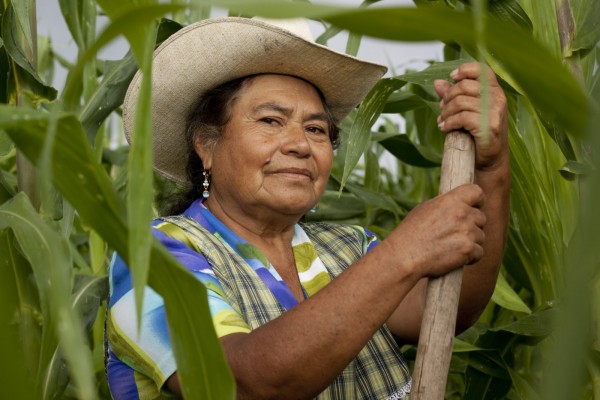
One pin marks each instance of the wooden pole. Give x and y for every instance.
(441, 304)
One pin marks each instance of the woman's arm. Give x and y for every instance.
(300, 353)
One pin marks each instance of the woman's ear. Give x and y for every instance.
(203, 152)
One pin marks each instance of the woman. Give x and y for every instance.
(301, 310)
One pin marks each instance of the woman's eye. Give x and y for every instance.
(269, 121)
(317, 130)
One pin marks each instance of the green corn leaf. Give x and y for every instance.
(568, 106)
(587, 15)
(19, 384)
(336, 207)
(461, 346)
(545, 27)
(489, 363)
(485, 380)
(573, 169)
(111, 92)
(140, 178)
(522, 387)
(401, 102)
(56, 376)
(280, 9)
(439, 70)
(84, 183)
(6, 88)
(19, 11)
(508, 10)
(372, 170)
(523, 62)
(561, 138)
(375, 199)
(50, 259)
(505, 296)
(412, 154)
(70, 10)
(353, 44)
(128, 23)
(360, 131)
(89, 292)
(9, 31)
(540, 324)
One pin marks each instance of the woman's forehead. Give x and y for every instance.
(271, 89)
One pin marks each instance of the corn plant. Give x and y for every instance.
(67, 194)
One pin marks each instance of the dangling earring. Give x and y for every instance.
(205, 184)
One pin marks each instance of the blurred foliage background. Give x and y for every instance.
(69, 196)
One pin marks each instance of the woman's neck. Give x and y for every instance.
(259, 227)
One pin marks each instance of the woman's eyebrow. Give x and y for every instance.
(317, 116)
(274, 107)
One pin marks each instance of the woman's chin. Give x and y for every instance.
(294, 208)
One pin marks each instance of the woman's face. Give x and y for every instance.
(275, 154)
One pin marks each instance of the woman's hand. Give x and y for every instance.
(461, 108)
(443, 233)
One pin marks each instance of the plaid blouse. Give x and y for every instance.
(245, 292)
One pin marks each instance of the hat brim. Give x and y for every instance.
(209, 53)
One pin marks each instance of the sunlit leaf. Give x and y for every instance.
(505, 296)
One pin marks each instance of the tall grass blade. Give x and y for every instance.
(140, 178)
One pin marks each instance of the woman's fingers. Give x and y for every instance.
(461, 109)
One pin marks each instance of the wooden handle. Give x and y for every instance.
(441, 304)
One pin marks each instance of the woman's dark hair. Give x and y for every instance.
(207, 122)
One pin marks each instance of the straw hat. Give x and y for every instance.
(209, 53)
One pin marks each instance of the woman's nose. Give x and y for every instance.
(296, 142)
